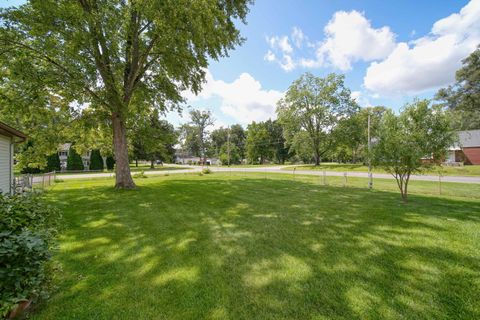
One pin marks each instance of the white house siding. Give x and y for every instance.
(6, 170)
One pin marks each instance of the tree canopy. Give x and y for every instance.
(315, 105)
(463, 97)
(74, 160)
(258, 143)
(152, 138)
(200, 121)
(408, 143)
(119, 55)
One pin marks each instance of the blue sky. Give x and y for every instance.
(389, 51)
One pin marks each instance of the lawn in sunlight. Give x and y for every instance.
(467, 170)
(223, 246)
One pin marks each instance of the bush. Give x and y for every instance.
(74, 160)
(28, 231)
(110, 163)
(206, 171)
(30, 170)
(96, 160)
(53, 163)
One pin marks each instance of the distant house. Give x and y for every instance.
(8, 137)
(182, 157)
(64, 150)
(467, 150)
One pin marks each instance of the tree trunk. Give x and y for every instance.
(152, 164)
(136, 162)
(405, 188)
(316, 153)
(402, 182)
(317, 158)
(123, 178)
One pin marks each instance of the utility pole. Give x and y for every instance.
(228, 145)
(370, 180)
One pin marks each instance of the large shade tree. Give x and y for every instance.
(315, 105)
(258, 144)
(278, 144)
(153, 139)
(189, 141)
(351, 133)
(46, 118)
(201, 120)
(234, 133)
(112, 53)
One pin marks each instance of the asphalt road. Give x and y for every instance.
(278, 169)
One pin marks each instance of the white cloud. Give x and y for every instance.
(270, 56)
(282, 43)
(298, 37)
(430, 61)
(287, 63)
(282, 46)
(244, 99)
(311, 63)
(361, 99)
(350, 37)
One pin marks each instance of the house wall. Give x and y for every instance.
(472, 154)
(6, 164)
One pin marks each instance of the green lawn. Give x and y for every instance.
(249, 246)
(133, 168)
(473, 170)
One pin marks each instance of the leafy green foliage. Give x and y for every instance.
(351, 134)
(302, 145)
(28, 230)
(221, 135)
(110, 163)
(278, 147)
(29, 163)
(30, 108)
(201, 120)
(258, 143)
(152, 138)
(53, 163)
(464, 96)
(146, 53)
(315, 105)
(189, 139)
(419, 132)
(265, 142)
(96, 160)
(229, 154)
(74, 160)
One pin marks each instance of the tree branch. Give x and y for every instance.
(52, 61)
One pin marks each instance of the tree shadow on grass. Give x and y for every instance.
(264, 249)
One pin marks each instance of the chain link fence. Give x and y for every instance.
(438, 186)
(32, 182)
